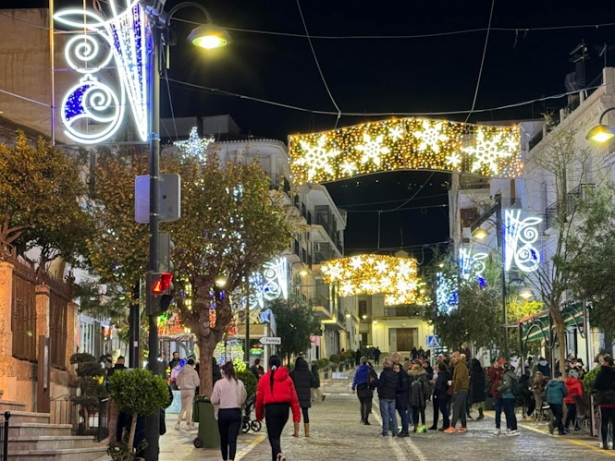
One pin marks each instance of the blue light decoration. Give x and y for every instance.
(520, 236)
(447, 293)
(92, 111)
(471, 264)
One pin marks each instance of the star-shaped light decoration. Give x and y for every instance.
(431, 136)
(454, 160)
(372, 149)
(194, 145)
(317, 157)
(488, 150)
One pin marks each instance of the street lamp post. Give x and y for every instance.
(601, 132)
(206, 36)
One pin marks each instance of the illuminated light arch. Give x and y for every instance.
(375, 274)
(93, 111)
(405, 144)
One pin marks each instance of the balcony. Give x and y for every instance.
(572, 199)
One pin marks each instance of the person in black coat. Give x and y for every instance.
(402, 398)
(477, 386)
(605, 387)
(304, 381)
(441, 395)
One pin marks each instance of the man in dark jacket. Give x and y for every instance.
(387, 387)
(357, 358)
(605, 386)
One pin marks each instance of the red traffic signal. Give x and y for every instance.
(162, 283)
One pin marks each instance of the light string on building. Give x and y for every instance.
(405, 144)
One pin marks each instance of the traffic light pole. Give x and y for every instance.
(152, 428)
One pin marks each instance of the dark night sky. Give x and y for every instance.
(418, 75)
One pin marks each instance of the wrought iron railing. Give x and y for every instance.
(4, 437)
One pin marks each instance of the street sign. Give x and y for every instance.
(433, 342)
(270, 341)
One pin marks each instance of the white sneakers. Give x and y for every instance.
(610, 445)
(497, 432)
(512, 433)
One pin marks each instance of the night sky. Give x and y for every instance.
(381, 76)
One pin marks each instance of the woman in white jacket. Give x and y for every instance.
(187, 381)
(228, 396)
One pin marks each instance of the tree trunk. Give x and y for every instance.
(131, 436)
(560, 331)
(207, 346)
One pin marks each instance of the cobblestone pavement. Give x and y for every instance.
(336, 434)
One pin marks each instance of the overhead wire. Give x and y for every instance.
(482, 63)
(322, 75)
(414, 195)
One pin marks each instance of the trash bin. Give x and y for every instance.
(208, 435)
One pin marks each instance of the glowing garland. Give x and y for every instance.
(374, 274)
(405, 144)
(91, 110)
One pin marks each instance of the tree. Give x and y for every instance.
(40, 196)
(563, 162)
(232, 223)
(295, 325)
(90, 373)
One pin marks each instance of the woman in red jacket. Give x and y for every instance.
(574, 387)
(495, 377)
(275, 394)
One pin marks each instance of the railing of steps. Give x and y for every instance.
(4, 437)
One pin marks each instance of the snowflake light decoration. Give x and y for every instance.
(317, 157)
(431, 137)
(194, 145)
(374, 274)
(372, 149)
(405, 144)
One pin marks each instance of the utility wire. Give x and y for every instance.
(413, 195)
(482, 63)
(322, 76)
(441, 205)
(382, 114)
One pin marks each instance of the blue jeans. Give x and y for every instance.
(409, 416)
(403, 414)
(511, 419)
(498, 403)
(389, 420)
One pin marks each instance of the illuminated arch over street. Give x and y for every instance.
(374, 274)
(405, 144)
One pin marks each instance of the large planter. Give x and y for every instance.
(208, 435)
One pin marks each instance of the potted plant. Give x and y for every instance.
(137, 393)
(249, 381)
(323, 364)
(334, 360)
(91, 389)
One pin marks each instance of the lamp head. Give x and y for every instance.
(601, 133)
(210, 36)
(526, 294)
(480, 234)
(303, 272)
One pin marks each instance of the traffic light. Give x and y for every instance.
(159, 287)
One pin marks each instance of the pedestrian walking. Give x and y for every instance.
(276, 394)
(377, 355)
(257, 370)
(361, 385)
(495, 377)
(477, 387)
(556, 391)
(316, 392)
(420, 391)
(574, 389)
(303, 380)
(402, 398)
(508, 390)
(187, 382)
(461, 384)
(228, 397)
(442, 397)
(357, 357)
(605, 386)
(387, 387)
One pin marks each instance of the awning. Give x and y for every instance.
(537, 326)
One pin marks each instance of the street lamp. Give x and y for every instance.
(159, 22)
(601, 132)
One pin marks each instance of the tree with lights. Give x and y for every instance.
(295, 325)
(232, 223)
(39, 202)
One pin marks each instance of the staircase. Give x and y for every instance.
(33, 438)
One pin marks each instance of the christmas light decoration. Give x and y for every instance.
(194, 146)
(405, 144)
(374, 274)
(471, 265)
(519, 237)
(93, 111)
(447, 293)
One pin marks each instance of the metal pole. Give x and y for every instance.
(247, 351)
(5, 442)
(502, 245)
(52, 52)
(134, 328)
(152, 428)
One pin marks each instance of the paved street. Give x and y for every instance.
(336, 434)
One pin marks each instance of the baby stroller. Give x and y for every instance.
(249, 423)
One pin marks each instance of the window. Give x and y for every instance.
(362, 308)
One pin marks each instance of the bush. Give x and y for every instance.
(249, 381)
(589, 379)
(323, 364)
(349, 355)
(335, 359)
(90, 383)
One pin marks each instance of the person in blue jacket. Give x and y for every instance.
(360, 385)
(556, 391)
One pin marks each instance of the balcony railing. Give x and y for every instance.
(572, 199)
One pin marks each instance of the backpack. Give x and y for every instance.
(513, 388)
